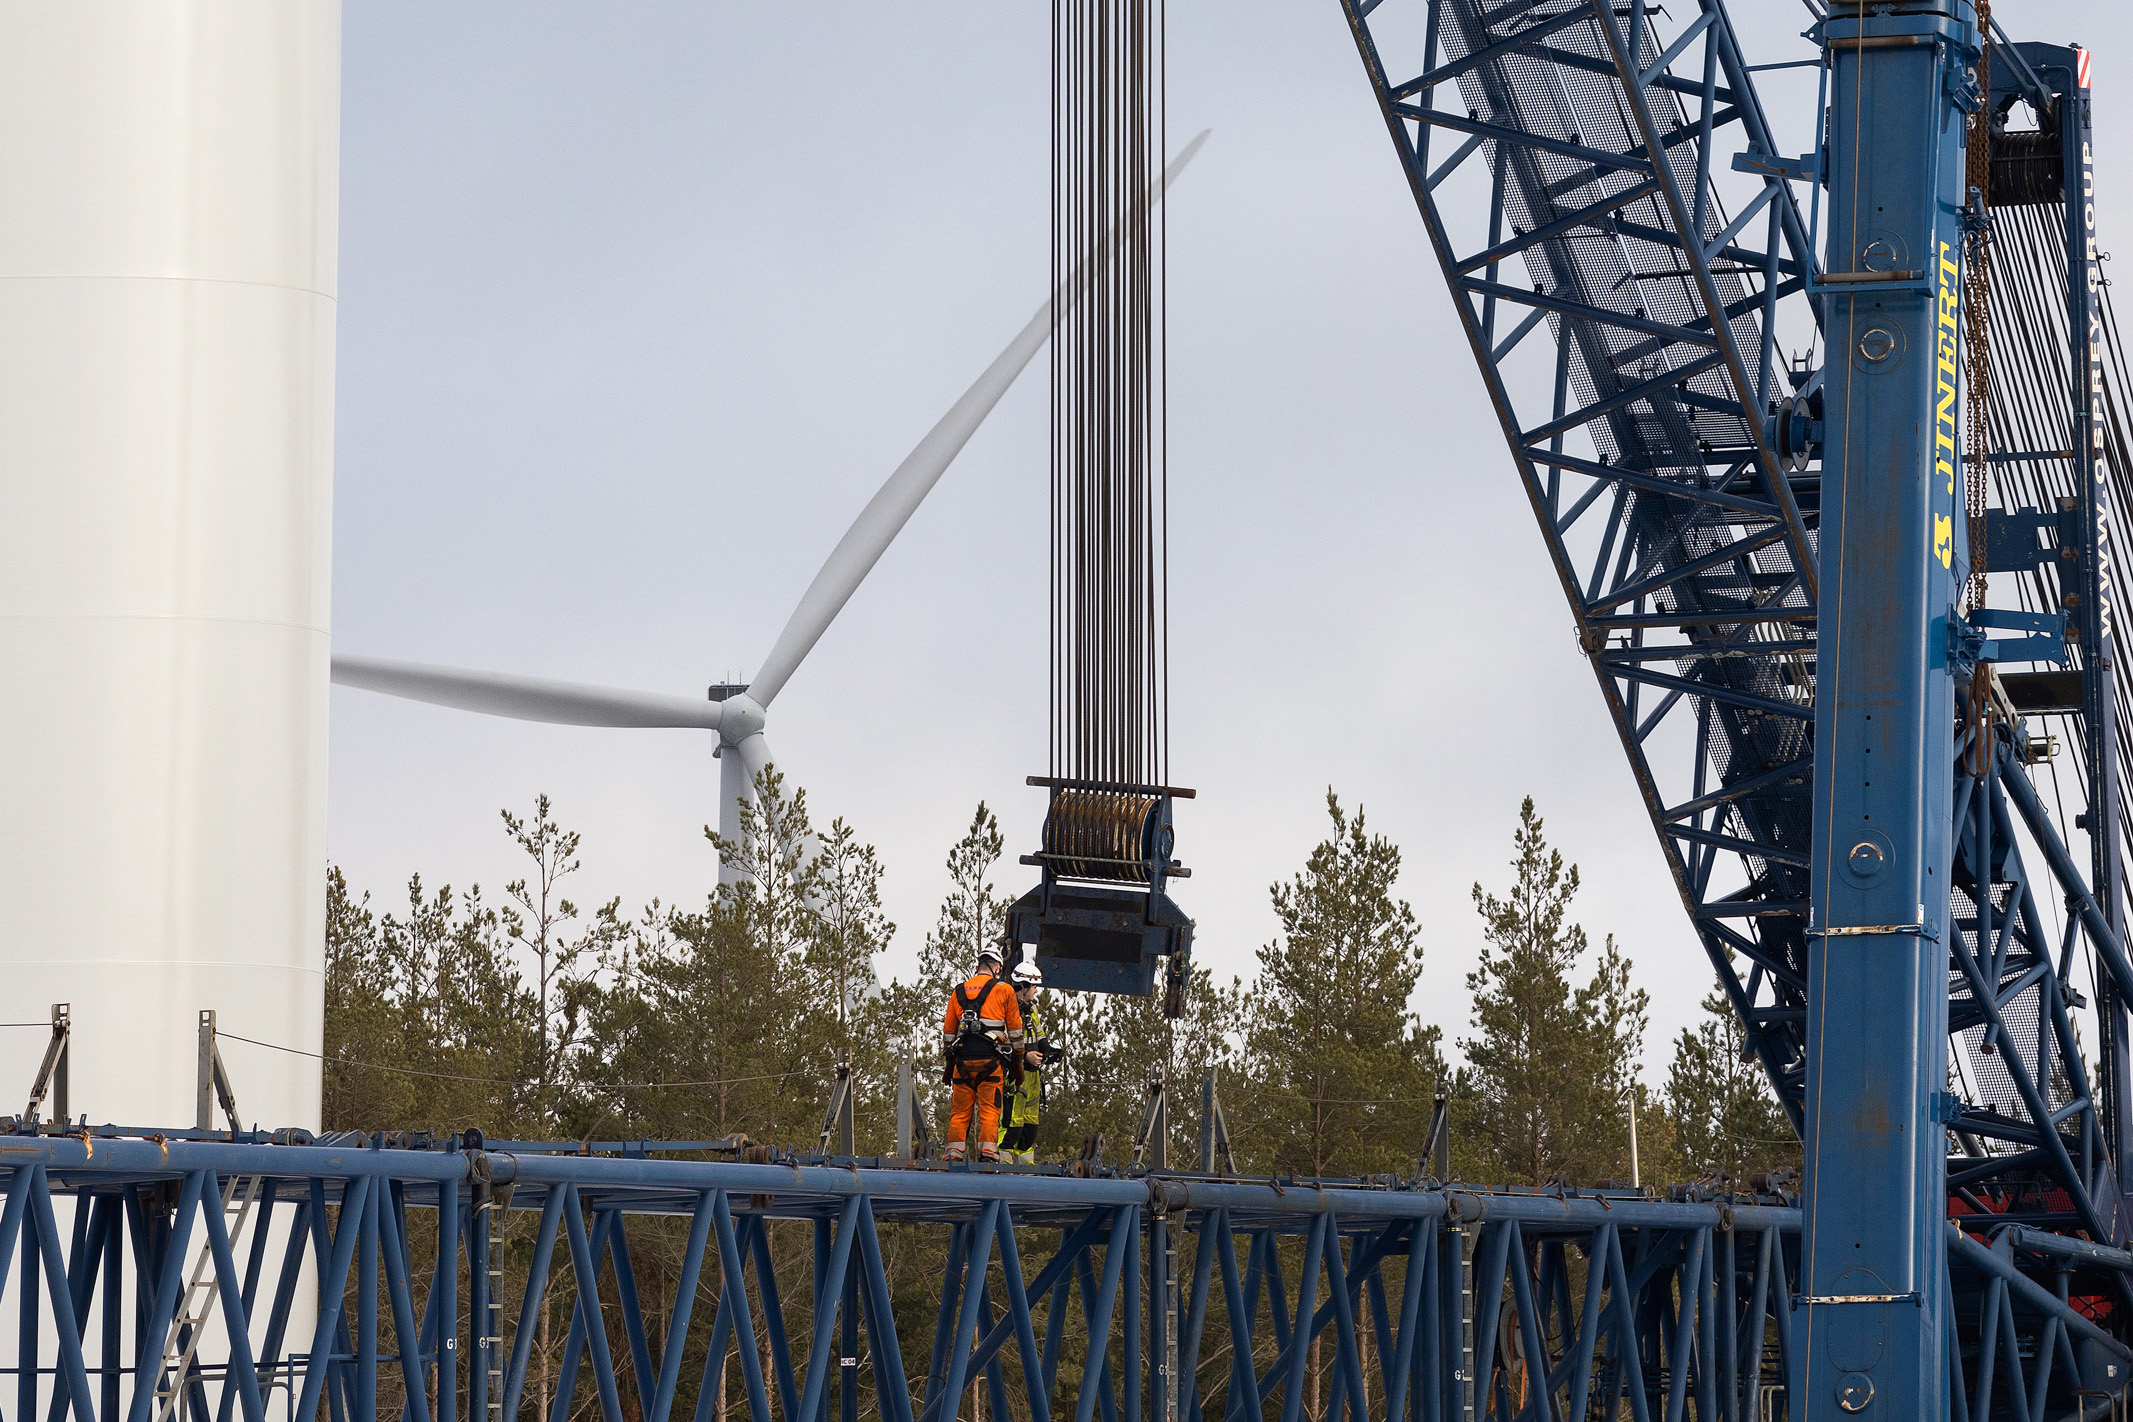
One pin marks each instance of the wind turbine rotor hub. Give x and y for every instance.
(740, 716)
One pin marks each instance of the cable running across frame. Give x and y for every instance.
(499, 1080)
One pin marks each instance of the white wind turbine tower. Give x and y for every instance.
(738, 714)
(168, 298)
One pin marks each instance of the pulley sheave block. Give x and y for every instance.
(1089, 938)
(1099, 920)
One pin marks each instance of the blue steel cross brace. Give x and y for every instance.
(1873, 1291)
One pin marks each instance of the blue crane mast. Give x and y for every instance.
(1767, 566)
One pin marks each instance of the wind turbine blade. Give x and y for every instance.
(755, 755)
(523, 698)
(891, 508)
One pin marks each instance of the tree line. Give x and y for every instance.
(530, 1016)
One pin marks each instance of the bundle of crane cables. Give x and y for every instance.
(1109, 711)
(2033, 460)
(1108, 722)
(1977, 345)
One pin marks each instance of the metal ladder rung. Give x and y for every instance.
(493, 1343)
(198, 1303)
(1473, 1401)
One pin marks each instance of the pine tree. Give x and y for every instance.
(1545, 1089)
(427, 1021)
(537, 920)
(1728, 1121)
(973, 914)
(359, 1008)
(731, 1006)
(1339, 1064)
(1115, 1040)
(486, 1039)
(851, 932)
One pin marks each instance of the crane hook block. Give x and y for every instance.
(1098, 920)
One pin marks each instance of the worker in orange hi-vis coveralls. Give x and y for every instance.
(981, 1034)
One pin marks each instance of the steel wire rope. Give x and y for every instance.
(2110, 367)
(2031, 257)
(2019, 422)
(2112, 363)
(491, 1080)
(1365, 1100)
(1054, 358)
(1159, 622)
(2042, 350)
(1108, 639)
(2024, 394)
(2046, 277)
(1977, 310)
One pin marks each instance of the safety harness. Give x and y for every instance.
(973, 1042)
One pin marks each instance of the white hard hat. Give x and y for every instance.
(990, 955)
(1028, 975)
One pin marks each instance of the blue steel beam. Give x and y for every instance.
(1683, 1308)
(894, 1393)
(236, 1312)
(618, 1253)
(735, 1308)
(831, 1286)
(1874, 1263)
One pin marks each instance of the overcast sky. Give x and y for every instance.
(639, 305)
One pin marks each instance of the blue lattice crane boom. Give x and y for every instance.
(1641, 462)
(1767, 566)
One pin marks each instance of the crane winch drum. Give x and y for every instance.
(1099, 921)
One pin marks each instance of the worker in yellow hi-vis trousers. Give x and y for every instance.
(1018, 1123)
